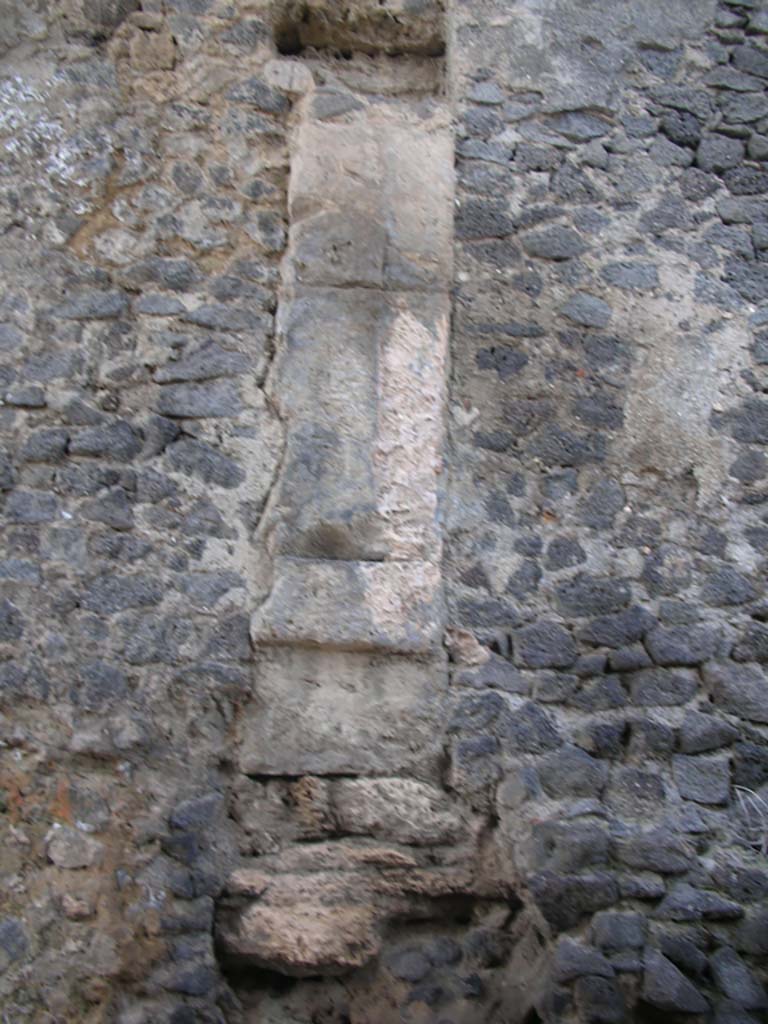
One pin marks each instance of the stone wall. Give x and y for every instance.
(383, 630)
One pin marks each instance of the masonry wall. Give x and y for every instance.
(383, 627)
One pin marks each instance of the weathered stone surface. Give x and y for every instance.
(666, 988)
(738, 689)
(402, 810)
(303, 940)
(358, 715)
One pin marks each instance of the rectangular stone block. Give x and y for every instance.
(353, 606)
(321, 712)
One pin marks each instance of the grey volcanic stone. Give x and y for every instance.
(684, 645)
(593, 595)
(684, 953)
(117, 441)
(612, 931)
(600, 999)
(737, 981)
(663, 686)
(618, 630)
(706, 780)
(528, 730)
(700, 733)
(657, 850)
(573, 960)
(717, 153)
(571, 772)
(753, 644)
(666, 988)
(556, 243)
(640, 277)
(739, 689)
(195, 458)
(544, 645)
(409, 965)
(214, 398)
(587, 310)
(565, 899)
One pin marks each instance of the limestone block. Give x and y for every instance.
(352, 606)
(321, 712)
(302, 940)
(402, 810)
(370, 201)
(363, 377)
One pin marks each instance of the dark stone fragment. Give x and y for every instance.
(748, 422)
(742, 109)
(750, 765)
(119, 442)
(587, 310)
(671, 213)
(650, 737)
(529, 157)
(603, 739)
(684, 953)
(640, 277)
(504, 359)
(544, 645)
(663, 687)
(565, 847)
(217, 398)
(750, 280)
(258, 94)
(736, 981)
(46, 445)
(751, 60)
(565, 899)
(564, 553)
(679, 97)
(726, 587)
(13, 938)
(705, 780)
(746, 181)
(477, 712)
(11, 622)
(739, 689)
(195, 458)
(697, 185)
(493, 441)
(629, 659)
(31, 507)
(572, 185)
(113, 508)
(555, 243)
(600, 1001)
(618, 630)
(753, 644)
(110, 594)
(192, 981)
(657, 850)
(93, 305)
(613, 932)
(682, 128)
(606, 498)
(100, 684)
(586, 595)
(484, 613)
(429, 994)
(742, 883)
(666, 988)
(557, 446)
(752, 934)
(525, 580)
(528, 729)
(409, 965)
(603, 694)
(700, 733)
(471, 987)
(682, 645)
(573, 960)
(495, 674)
(483, 218)
(571, 772)
(198, 813)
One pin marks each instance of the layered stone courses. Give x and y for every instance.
(563, 821)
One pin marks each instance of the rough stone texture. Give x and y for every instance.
(382, 585)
